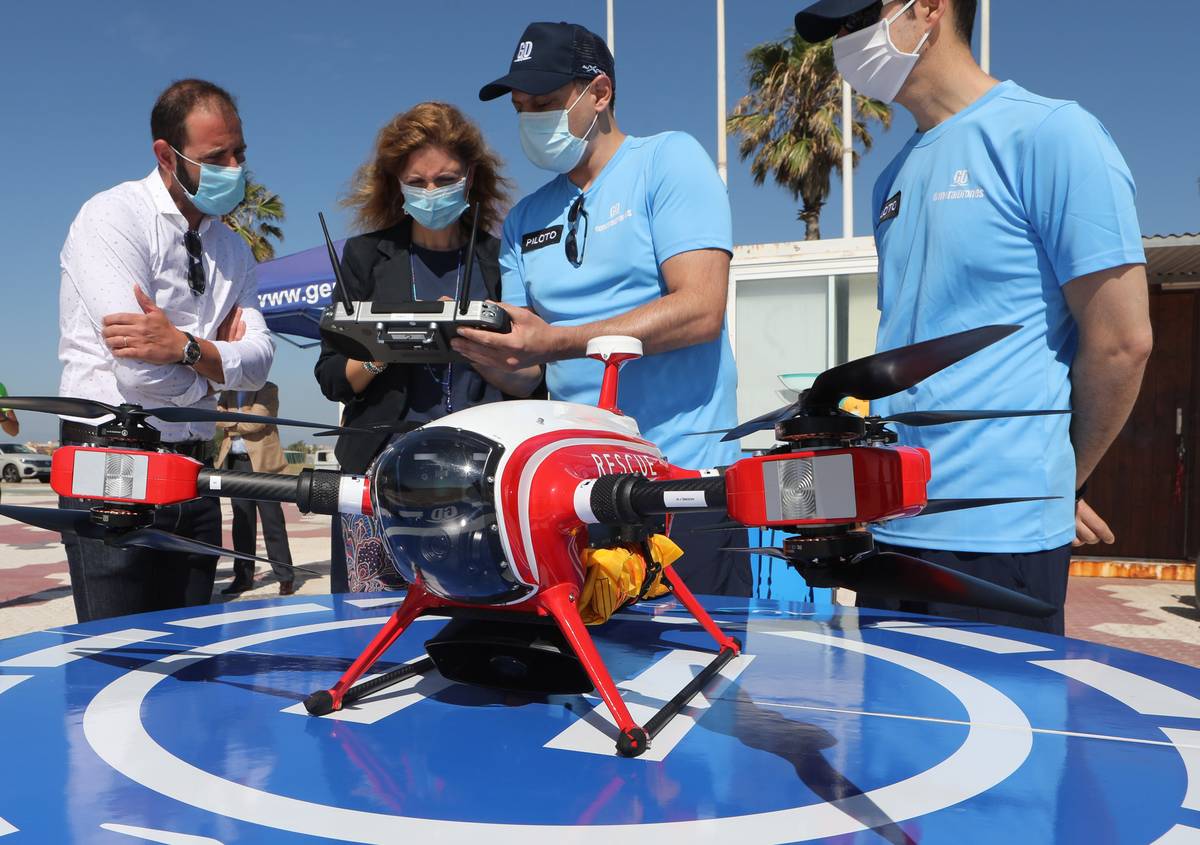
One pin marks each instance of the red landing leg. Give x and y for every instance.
(417, 601)
(557, 601)
(693, 606)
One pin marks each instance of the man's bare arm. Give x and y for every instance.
(691, 312)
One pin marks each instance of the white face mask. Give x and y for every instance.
(871, 62)
(547, 139)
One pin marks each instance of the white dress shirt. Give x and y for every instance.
(133, 234)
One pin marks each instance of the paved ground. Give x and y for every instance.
(1154, 617)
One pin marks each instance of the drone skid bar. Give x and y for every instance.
(558, 603)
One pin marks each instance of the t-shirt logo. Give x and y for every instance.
(891, 208)
(961, 178)
(524, 52)
(543, 237)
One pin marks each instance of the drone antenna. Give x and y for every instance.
(463, 294)
(337, 270)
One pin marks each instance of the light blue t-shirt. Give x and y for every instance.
(982, 220)
(657, 197)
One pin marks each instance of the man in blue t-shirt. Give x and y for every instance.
(632, 237)
(1004, 207)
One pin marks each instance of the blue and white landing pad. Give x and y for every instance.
(186, 727)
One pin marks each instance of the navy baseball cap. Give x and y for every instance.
(823, 20)
(548, 56)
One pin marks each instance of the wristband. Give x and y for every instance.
(373, 368)
(1079, 494)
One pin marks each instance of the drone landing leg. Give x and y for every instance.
(558, 601)
(689, 601)
(324, 702)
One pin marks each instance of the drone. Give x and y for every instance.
(488, 514)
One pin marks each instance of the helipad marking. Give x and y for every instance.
(216, 620)
(386, 702)
(959, 636)
(1179, 835)
(1187, 743)
(113, 727)
(166, 837)
(6, 828)
(7, 682)
(1150, 698)
(61, 655)
(660, 682)
(368, 603)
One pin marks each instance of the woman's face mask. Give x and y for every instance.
(436, 208)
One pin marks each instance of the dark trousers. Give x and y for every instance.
(246, 514)
(705, 567)
(1039, 574)
(107, 581)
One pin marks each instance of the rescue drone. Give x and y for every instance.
(486, 513)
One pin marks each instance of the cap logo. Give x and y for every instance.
(524, 51)
(592, 69)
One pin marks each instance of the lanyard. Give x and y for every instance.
(446, 381)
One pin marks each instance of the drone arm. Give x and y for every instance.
(628, 499)
(312, 491)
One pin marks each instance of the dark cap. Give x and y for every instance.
(548, 56)
(822, 20)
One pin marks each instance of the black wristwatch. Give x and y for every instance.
(191, 351)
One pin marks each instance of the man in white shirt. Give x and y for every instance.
(158, 307)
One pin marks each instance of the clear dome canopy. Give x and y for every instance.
(433, 493)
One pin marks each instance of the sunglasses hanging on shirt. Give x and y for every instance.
(574, 247)
(196, 278)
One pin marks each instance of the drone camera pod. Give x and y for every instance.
(828, 486)
(123, 475)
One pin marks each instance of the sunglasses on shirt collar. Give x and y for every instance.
(196, 279)
(574, 247)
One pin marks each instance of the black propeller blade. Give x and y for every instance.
(64, 405)
(921, 418)
(896, 576)
(89, 409)
(890, 372)
(54, 519)
(769, 551)
(80, 522)
(948, 505)
(907, 578)
(880, 375)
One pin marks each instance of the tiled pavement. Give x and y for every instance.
(1155, 617)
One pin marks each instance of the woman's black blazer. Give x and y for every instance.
(377, 267)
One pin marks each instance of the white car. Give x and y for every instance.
(18, 462)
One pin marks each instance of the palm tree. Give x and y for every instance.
(255, 217)
(790, 121)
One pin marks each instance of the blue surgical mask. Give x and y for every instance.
(220, 188)
(547, 139)
(437, 208)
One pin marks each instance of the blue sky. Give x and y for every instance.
(316, 80)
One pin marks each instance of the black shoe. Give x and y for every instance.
(287, 588)
(238, 585)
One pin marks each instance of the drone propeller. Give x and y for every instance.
(923, 418)
(947, 505)
(90, 409)
(80, 522)
(905, 578)
(879, 375)
(886, 373)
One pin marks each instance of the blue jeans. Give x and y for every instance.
(107, 581)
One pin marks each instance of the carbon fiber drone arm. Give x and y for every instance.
(312, 491)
